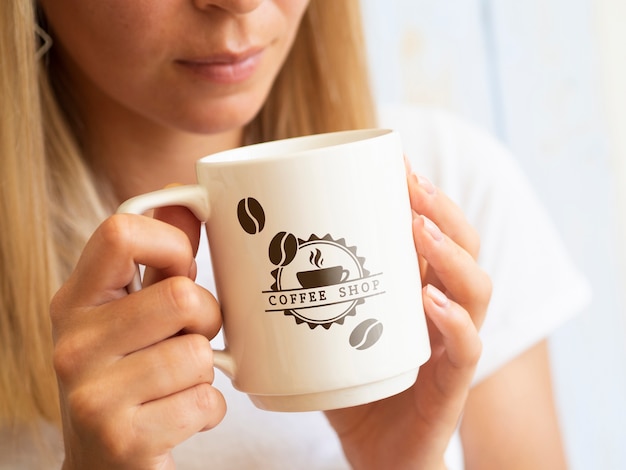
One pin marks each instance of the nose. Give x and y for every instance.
(232, 6)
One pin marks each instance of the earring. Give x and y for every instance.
(44, 40)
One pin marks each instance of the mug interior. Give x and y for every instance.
(293, 146)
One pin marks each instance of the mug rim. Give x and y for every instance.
(293, 146)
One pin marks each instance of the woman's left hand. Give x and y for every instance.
(413, 429)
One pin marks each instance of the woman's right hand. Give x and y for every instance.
(135, 370)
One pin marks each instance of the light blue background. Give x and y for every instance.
(528, 71)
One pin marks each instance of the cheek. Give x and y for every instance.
(293, 10)
(104, 50)
(287, 17)
(102, 36)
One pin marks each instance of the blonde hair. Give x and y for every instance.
(50, 202)
(324, 83)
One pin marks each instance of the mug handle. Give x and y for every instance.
(195, 198)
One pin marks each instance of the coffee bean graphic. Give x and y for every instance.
(366, 334)
(283, 248)
(251, 215)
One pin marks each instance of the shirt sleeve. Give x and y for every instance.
(536, 285)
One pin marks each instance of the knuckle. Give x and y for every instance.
(84, 406)
(58, 307)
(117, 447)
(66, 357)
(205, 398)
(471, 344)
(182, 295)
(200, 348)
(116, 231)
(199, 353)
(182, 246)
(204, 407)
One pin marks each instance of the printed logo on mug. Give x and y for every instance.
(315, 267)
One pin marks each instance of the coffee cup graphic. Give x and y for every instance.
(322, 277)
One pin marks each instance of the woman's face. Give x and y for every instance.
(199, 66)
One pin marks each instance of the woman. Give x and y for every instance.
(164, 83)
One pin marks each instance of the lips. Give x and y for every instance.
(225, 68)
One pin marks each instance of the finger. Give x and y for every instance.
(463, 280)
(453, 361)
(175, 418)
(108, 262)
(421, 261)
(183, 219)
(160, 311)
(163, 369)
(460, 338)
(428, 200)
(98, 337)
(143, 435)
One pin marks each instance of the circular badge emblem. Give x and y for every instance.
(319, 281)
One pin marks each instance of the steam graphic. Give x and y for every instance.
(316, 258)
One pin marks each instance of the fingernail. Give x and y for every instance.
(426, 184)
(432, 229)
(437, 296)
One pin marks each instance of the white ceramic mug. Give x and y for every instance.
(315, 267)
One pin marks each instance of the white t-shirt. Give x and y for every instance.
(535, 289)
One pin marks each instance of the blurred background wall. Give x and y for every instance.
(548, 78)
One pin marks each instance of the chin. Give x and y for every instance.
(216, 120)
